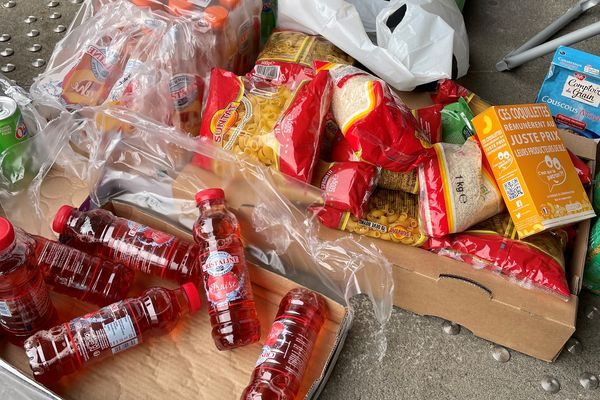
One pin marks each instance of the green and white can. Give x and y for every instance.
(12, 126)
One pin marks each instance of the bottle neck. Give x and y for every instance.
(182, 301)
(7, 251)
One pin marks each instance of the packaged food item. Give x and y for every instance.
(346, 186)
(532, 168)
(287, 349)
(591, 275)
(225, 274)
(583, 171)
(12, 126)
(378, 126)
(98, 335)
(405, 181)
(456, 122)
(572, 91)
(430, 121)
(80, 275)
(25, 305)
(100, 233)
(278, 125)
(448, 91)
(457, 189)
(290, 55)
(391, 215)
(537, 261)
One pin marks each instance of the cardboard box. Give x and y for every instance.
(185, 364)
(533, 170)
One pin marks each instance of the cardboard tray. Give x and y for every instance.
(186, 364)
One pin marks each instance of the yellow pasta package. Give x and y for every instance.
(279, 125)
(391, 215)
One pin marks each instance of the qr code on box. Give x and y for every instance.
(513, 189)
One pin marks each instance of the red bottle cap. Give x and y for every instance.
(193, 296)
(209, 194)
(7, 234)
(60, 220)
(229, 4)
(216, 16)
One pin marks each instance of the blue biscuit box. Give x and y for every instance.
(572, 91)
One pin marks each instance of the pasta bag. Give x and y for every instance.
(278, 125)
(390, 215)
(457, 189)
(346, 186)
(377, 124)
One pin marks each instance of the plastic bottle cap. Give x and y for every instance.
(7, 234)
(229, 4)
(216, 16)
(60, 220)
(209, 194)
(191, 291)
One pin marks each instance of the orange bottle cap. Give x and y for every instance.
(216, 16)
(229, 4)
(181, 6)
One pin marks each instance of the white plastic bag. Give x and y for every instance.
(368, 11)
(426, 61)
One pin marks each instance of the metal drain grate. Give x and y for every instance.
(28, 33)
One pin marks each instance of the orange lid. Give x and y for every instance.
(177, 6)
(216, 16)
(145, 3)
(229, 4)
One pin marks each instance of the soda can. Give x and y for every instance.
(12, 127)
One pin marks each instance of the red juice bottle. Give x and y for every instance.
(25, 305)
(100, 233)
(77, 274)
(67, 348)
(286, 351)
(225, 273)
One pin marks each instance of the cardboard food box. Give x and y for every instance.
(533, 169)
(184, 364)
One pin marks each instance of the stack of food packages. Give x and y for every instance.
(413, 177)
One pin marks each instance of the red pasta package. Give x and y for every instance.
(448, 91)
(430, 121)
(378, 126)
(536, 261)
(346, 186)
(278, 125)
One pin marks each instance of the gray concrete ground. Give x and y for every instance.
(411, 358)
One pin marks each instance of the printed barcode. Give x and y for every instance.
(513, 189)
(267, 71)
(4, 310)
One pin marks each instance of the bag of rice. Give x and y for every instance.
(346, 186)
(290, 55)
(457, 189)
(380, 129)
(390, 215)
(280, 125)
(536, 261)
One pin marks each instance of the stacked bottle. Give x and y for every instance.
(102, 234)
(68, 347)
(25, 305)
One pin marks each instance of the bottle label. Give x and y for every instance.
(139, 247)
(184, 91)
(110, 328)
(244, 33)
(24, 313)
(286, 351)
(62, 260)
(222, 283)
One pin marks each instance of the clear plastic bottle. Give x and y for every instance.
(287, 349)
(241, 21)
(67, 348)
(77, 274)
(155, 5)
(25, 305)
(100, 233)
(217, 18)
(225, 274)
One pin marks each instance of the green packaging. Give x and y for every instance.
(591, 275)
(456, 122)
